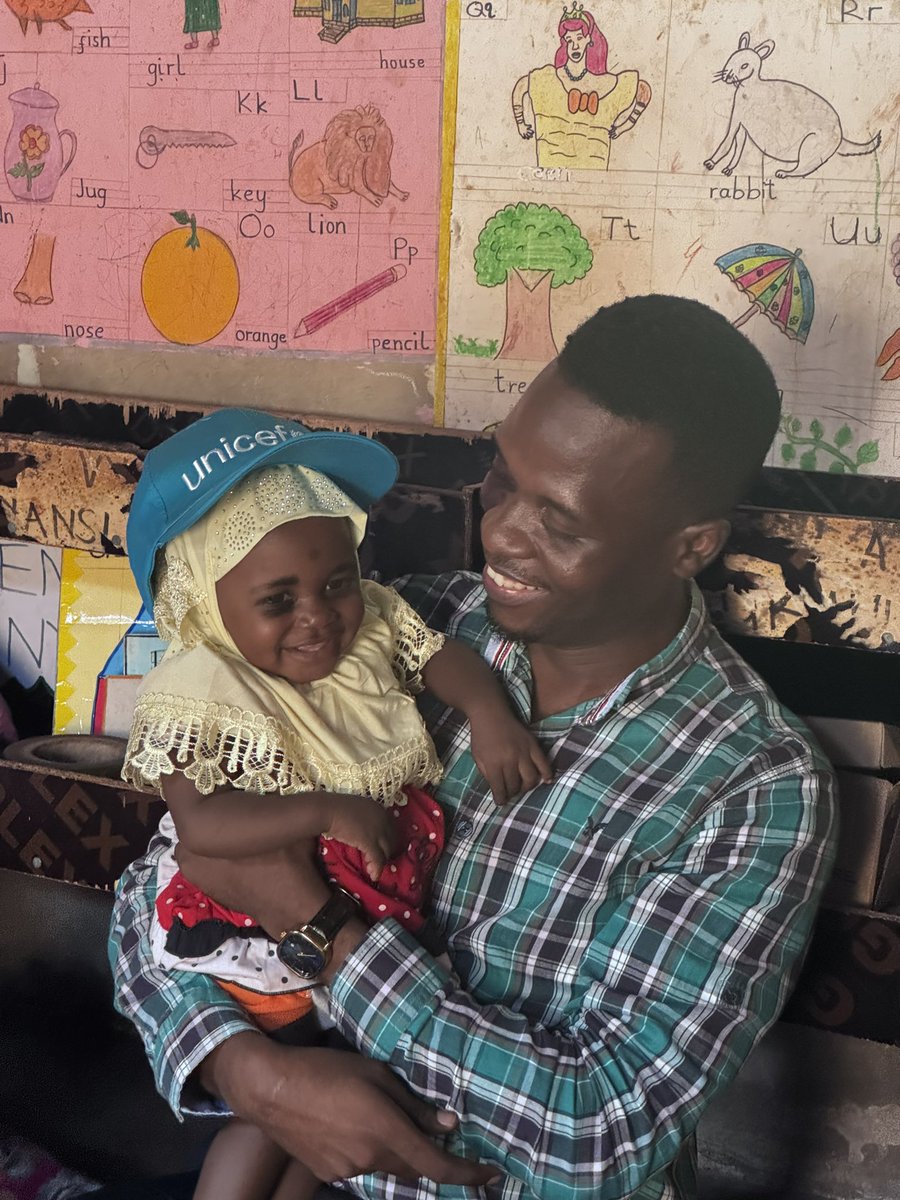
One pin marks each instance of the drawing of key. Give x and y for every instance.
(154, 140)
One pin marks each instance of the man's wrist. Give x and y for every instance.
(228, 1066)
(309, 947)
(349, 938)
(296, 907)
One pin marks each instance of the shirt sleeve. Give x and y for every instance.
(181, 1016)
(677, 987)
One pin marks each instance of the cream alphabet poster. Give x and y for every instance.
(743, 154)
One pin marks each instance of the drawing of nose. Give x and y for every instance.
(890, 350)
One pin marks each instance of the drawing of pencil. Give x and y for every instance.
(334, 308)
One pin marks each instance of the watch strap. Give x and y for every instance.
(334, 914)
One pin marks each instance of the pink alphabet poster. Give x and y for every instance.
(258, 176)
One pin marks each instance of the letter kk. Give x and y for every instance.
(245, 104)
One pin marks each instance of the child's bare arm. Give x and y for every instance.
(506, 754)
(232, 824)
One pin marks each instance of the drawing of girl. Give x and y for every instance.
(201, 16)
(574, 107)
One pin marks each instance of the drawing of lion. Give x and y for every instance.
(353, 156)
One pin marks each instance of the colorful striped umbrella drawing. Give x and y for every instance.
(777, 283)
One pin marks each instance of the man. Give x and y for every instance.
(620, 937)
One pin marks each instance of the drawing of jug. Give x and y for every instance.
(33, 161)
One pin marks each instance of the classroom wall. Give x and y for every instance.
(401, 216)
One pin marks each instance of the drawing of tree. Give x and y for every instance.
(532, 248)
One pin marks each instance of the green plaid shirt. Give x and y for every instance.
(620, 937)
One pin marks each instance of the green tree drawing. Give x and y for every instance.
(531, 248)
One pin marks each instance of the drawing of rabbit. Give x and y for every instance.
(786, 121)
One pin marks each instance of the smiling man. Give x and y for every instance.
(620, 937)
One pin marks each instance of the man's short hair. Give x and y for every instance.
(681, 366)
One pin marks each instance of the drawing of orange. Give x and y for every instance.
(190, 286)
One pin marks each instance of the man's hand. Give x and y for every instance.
(507, 755)
(338, 1113)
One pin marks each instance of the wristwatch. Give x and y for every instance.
(307, 950)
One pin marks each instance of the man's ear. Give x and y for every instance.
(697, 545)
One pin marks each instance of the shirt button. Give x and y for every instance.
(463, 827)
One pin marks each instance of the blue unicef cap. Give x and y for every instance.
(184, 476)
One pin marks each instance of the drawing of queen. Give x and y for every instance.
(574, 106)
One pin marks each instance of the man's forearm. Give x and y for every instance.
(282, 892)
(229, 1060)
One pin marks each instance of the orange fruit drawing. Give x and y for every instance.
(190, 286)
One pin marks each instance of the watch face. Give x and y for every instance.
(302, 955)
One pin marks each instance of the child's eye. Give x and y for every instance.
(344, 583)
(278, 602)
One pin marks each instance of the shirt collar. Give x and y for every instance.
(510, 658)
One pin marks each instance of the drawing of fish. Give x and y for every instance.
(46, 12)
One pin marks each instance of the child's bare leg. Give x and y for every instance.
(297, 1183)
(241, 1164)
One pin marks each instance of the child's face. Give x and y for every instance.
(293, 606)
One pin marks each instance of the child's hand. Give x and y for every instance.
(364, 824)
(508, 756)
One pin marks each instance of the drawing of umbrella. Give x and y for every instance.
(777, 283)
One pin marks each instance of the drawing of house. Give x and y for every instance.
(340, 16)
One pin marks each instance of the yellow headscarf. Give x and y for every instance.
(222, 721)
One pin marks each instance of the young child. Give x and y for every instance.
(290, 678)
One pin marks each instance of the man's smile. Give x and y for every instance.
(504, 587)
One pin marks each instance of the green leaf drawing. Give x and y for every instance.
(186, 218)
(24, 170)
(815, 442)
